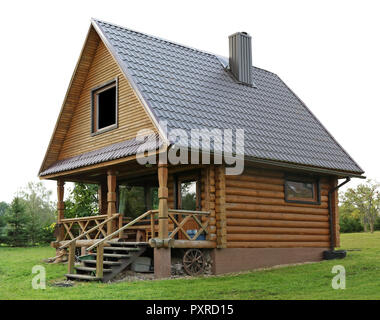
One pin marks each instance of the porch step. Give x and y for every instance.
(81, 277)
(113, 255)
(90, 269)
(106, 263)
(120, 249)
(123, 255)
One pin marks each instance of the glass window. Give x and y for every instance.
(104, 107)
(131, 201)
(301, 190)
(188, 193)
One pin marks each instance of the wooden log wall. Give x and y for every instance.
(258, 216)
(221, 207)
(208, 199)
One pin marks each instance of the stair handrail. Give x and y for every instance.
(89, 231)
(121, 229)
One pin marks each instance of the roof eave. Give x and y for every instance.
(288, 165)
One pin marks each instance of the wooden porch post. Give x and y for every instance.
(162, 256)
(60, 208)
(111, 198)
(102, 198)
(163, 201)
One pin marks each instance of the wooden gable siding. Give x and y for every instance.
(258, 216)
(131, 113)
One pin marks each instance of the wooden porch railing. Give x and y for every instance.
(181, 217)
(77, 226)
(99, 226)
(72, 243)
(123, 228)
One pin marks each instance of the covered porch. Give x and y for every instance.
(160, 206)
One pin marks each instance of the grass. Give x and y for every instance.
(308, 281)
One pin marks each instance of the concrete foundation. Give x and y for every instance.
(162, 263)
(243, 259)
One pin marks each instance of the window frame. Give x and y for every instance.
(303, 179)
(95, 98)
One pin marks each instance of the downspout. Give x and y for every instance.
(332, 231)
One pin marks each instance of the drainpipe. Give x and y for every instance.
(332, 231)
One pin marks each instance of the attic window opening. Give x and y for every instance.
(302, 190)
(104, 107)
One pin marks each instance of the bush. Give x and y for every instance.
(47, 234)
(350, 223)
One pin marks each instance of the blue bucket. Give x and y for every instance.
(193, 232)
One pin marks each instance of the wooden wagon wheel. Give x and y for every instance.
(194, 262)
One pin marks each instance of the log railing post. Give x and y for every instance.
(60, 208)
(71, 258)
(99, 260)
(111, 198)
(163, 201)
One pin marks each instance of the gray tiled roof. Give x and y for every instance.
(111, 152)
(189, 88)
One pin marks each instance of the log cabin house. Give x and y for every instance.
(282, 208)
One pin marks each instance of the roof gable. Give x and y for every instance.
(72, 134)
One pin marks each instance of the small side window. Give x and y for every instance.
(104, 107)
(302, 190)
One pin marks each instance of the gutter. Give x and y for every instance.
(332, 231)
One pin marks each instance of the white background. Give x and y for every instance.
(328, 52)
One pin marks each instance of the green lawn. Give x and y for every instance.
(309, 281)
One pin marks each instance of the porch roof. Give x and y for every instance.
(111, 152)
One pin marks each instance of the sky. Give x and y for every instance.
(326, 51)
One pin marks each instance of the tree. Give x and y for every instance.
(349, 218)
(366, 199)
(17, 220)
(3, 208)
(82, 201)
(39, 208)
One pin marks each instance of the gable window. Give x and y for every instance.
(302, 190)
(104, 107)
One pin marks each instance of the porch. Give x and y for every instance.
(149, 222)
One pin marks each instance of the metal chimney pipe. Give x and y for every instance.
(241, 57)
